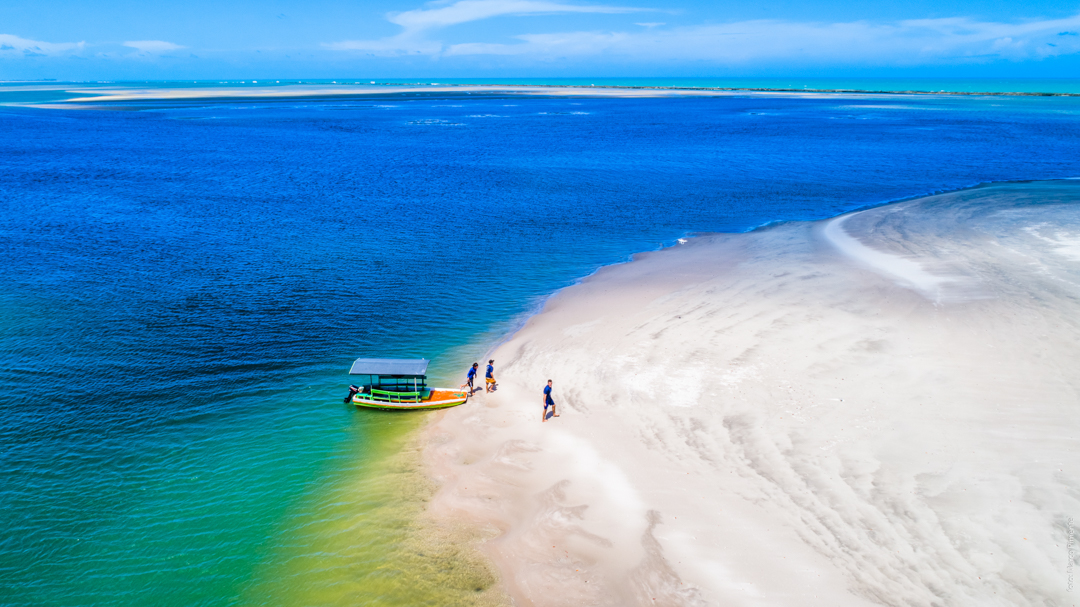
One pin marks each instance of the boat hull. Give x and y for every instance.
(439, 399)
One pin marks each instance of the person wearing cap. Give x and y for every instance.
(548, 402)
(489, 377)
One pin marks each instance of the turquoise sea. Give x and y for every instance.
(187, 283)
(929, 85)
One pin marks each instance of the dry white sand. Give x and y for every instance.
(100, 94)
(879, 409)
(301, 91)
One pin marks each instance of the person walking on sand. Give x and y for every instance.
(548, 403)
(489, 377)
(470, 377)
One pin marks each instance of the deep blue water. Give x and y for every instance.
(187, 283)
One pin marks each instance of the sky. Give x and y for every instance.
(191, 39)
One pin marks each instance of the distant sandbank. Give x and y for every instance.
(879, 409)
(82, 96)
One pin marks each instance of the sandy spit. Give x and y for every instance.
(300, 91)
(882, 409)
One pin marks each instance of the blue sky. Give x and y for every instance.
(190, 39)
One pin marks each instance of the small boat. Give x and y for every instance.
(396, 383)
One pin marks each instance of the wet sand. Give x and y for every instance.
(882, 408)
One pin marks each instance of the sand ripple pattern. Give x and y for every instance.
(770, 419)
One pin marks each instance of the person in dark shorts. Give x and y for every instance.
(489, 377)
(548, 403)
(470, 377)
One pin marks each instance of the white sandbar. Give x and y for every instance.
(905, 270)
(786, 418)
(301, 91)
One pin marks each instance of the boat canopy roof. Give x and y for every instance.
(412, 367)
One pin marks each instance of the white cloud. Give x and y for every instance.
(152, 47)
(416, 23)
(16, 46)
(395, 45)
(474, 10)
(908, 42)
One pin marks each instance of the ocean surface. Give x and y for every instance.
(186, 284)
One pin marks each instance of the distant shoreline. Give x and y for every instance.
(83, 96)
(497, 85)
(759, 90)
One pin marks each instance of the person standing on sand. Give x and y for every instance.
(489, 377)
(470, 377)
(548, 403)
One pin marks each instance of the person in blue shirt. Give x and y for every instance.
(470, 377)
(548, 403)
(489, 377)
